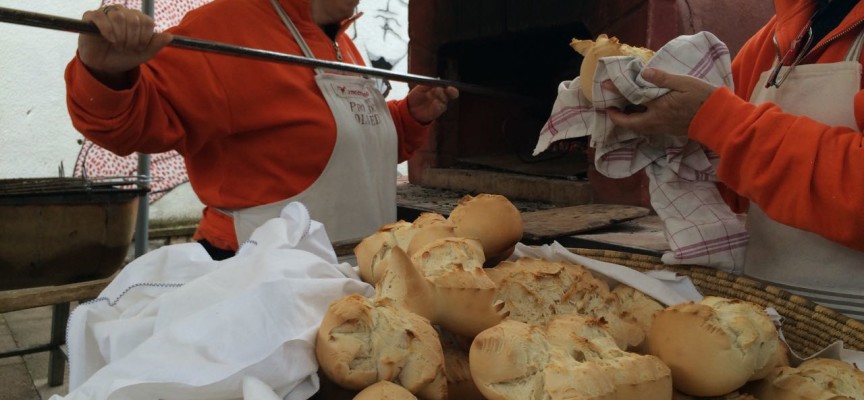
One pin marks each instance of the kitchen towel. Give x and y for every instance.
(699, 226)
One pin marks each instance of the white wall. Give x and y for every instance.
(36, 134)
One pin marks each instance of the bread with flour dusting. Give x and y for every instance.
(363, 341)
(814, 379)
(571, 357)
(535, 290)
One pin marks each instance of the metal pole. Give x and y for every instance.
(182, 42)
(142, 225)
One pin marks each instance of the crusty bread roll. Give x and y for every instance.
(814, 379)
(428, 218)
(361, 342)
(571, 357)
(716, 346)
(639, 308)
(460, 383)
(428, 233)
(385, 390)
(491, 219)
(444, 282)
(594, 50)
(366, 250)
(535, 290)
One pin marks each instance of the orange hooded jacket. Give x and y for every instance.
(801, 172)
(251, 132)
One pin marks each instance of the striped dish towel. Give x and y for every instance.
(700, 227)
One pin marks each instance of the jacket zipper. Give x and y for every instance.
(338, 52)
(831, 39)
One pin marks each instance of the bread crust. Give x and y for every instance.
(361, 342)
(814, 379)
(572, 357)
(593, 50)
(385, 390)
(716, 346)
(493, 220)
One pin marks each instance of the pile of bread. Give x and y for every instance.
(451, 319)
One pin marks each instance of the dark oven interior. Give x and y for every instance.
(485, 143)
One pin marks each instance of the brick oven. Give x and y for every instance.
(484, 143)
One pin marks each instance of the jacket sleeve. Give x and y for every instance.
(147, 117)
(412, 134)
(800, 172)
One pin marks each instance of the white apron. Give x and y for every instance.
(356, 192)
(802, 262)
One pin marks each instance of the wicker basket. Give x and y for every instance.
(808, 327)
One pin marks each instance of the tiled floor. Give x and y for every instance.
(26, 377)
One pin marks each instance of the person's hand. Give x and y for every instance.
(427, 103)
(667, 114)
(127, 40)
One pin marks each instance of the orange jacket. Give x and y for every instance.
(252, 132)
(801, 172)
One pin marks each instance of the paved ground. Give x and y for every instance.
(26, 377)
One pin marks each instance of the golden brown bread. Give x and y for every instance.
(366, 250)
(460, 383)
(571, 357)
(594, 50)
(385, 390)
(814, 379)
(493, 220)
(535, 290)
(361, 342)
(444, 282)
(639, 308)
(716, 346)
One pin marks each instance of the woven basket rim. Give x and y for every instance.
(807, 326)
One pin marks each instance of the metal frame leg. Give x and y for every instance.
(57, 359)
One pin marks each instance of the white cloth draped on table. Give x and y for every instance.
(176, 324)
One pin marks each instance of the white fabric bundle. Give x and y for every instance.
(700, 227)
(176, 324)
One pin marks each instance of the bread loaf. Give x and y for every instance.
(535, 290)
(460, 383)
(428, 218)
(385, 390)
(716, 346)
(444, 282)
(428, 233)
(639, 308)
(491, 219)
(817, 378)
(366, 250)
(571, 357)
(592, 51)
(361, 342)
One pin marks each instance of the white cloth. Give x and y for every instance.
(700, 227)
(664, 286)
(176, 324)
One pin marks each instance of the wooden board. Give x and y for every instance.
(643, 235)
(566, 221)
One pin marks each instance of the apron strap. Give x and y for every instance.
(294, 31)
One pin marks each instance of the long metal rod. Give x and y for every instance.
(73, 25)
(142, 221)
